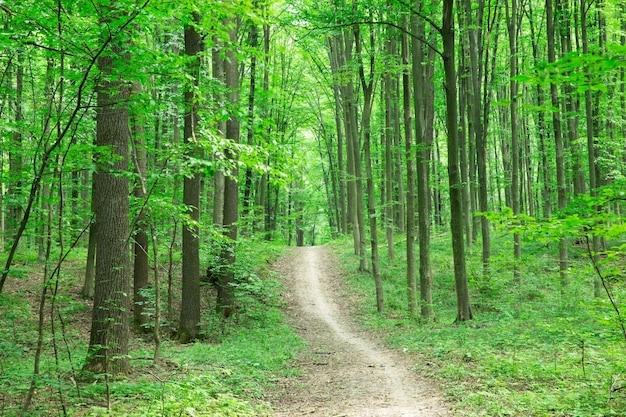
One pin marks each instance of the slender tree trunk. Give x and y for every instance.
(464, 310)
(367, 85)
(389, 206)
(14, 204)
(247, 189)
(592, 151)
(90, 264)
(338, 125)
(558, 139)
(225, 291)
(477, 126)
(141, 267)
(421, 90)
(463, 111)
(352, 139)
(541, 125)
(219, 178)
(512, 25)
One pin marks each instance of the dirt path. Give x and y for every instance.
(345, 372)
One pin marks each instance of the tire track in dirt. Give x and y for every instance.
(345, 373)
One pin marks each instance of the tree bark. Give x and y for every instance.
(225, 290)
(464, 310)
(190, 302)
(141, 267)
(477, 125)
(558, 140)
(108, 344)
(512, 25)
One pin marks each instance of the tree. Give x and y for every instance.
(140, 239)
(108, 344)
(422, 93)
(367, 85)
(225, 293)
(190, 311)
(464, 310)
(513, 25)
(558, 140)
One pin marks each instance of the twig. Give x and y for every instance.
(620, 319)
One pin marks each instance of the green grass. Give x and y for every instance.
(523, 354)
(226, 374)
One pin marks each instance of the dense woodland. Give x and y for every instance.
(148, 146)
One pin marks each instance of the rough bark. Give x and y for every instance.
(108, 344)
(464, 311)
(190, 302)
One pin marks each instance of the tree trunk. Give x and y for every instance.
(190, 302)
(14, 203)
(218, 179)
(558, 140)
(389, 206)
(108, 344)
(90, 264)
(247, 189)
(141, 267)
(592, 151)
(477, 125)
(367, 85)
(225, 290)
(421, 91)
(464, 310)
(512, 25)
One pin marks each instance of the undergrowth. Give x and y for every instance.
(225, 374)
(533, 349)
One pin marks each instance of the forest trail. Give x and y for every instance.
(344, 371)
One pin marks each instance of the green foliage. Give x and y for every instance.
(534, 348)
(226, 377)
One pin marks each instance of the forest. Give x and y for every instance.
(464, 161)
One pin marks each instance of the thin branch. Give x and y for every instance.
(422, 16)
(45, 160)
(606, 287)
(384, 23)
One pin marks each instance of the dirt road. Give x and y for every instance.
(345, 372)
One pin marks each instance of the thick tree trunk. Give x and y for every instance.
(108, 344)
(190, 303)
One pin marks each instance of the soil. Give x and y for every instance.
(346, 372)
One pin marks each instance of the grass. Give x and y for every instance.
(226, 374)
(533, 349)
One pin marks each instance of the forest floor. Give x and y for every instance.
(345, 370)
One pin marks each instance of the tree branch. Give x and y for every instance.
(384, 23)
(45, 160)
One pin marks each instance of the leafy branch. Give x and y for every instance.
(46, 158)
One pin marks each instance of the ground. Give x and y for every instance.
(345, 370)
